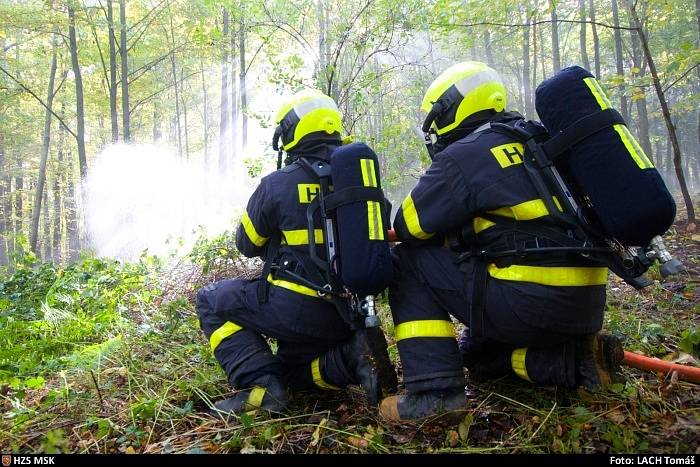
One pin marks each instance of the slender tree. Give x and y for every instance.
(234, 97)
(619, 66)
(527, 85)
(114, 118)
(223, 122)
(582, 34)
(124, 53)
(596, 39)
(40, 194)
(639, 97)
(241, 82)
(556, 59)
(79, 106)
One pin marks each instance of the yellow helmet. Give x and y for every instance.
(460, 92)
(306, 115)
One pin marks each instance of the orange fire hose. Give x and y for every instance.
(688, 373)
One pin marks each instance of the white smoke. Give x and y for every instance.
(144, 197)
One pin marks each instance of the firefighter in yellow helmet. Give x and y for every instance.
(316, 349)
(534, 317)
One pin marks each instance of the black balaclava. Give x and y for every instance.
(472, 123)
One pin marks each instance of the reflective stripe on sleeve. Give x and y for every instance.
(253, 235)
(410, 216)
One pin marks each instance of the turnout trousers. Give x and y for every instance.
(431, 287)
(308, 331)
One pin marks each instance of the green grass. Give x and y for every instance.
(104, 357)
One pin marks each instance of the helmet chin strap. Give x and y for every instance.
(275, 145)
(436, 110)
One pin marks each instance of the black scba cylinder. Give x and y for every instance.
(609, 169)
(365, 262)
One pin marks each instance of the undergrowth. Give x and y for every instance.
(104, 356)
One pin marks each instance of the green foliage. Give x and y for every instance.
(690, 341)
(215, 254)
(51, 316)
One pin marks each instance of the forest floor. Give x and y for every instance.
(104, 357)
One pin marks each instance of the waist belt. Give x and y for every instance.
(295, 287)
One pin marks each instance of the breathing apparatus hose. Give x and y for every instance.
(641, 362)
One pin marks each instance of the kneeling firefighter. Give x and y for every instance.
(536, 317)
(296, 301)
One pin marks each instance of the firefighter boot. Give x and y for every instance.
(358, 358)
(598, 358)
(415, 406)
(267, 393)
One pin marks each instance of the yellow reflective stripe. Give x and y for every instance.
(318, 379)
(525, 211)
(482, 224)
(302, 289)
(517, 362)
(301, 237)
(227, 330)
(374, 212)
(424, 328)
(410, 217)
(555, 276)
(255, 397)
(631, 144)
(250, 231)
(598, 93)
(633, 147)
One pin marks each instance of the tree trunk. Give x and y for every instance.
(543, 62)
(322, 58)
(205, 119)
(534, 52)
(72, 218)
(618, 61)
(57, 195)
(112, 73)
(665, 111)
(175, 83)
(242, 90)
(639, 98)
(582, 37)
(126, 130)
(234, 98)
(157, 134)
(596, 41)
(556, 58)
(697, 14)
(79, 108)
(184, 114)
(223, 122)
(527, 85)
(488, 49)
(4, 214)
(41, 181)
(46, 228)
(19, 194)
